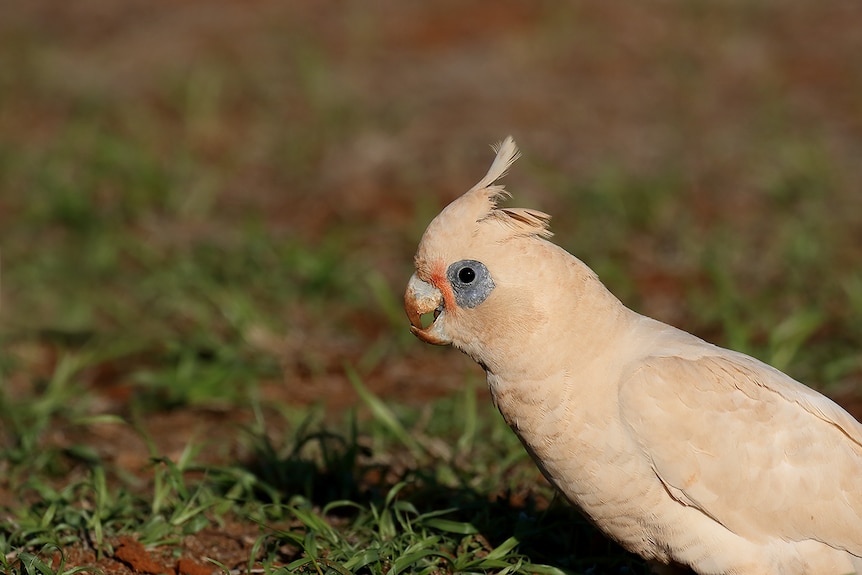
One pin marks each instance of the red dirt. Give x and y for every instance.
(189, 567)
(138, 559)
(231, 546)
(134, 556)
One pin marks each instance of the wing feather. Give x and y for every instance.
(747, 445)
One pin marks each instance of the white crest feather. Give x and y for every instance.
(507, 153)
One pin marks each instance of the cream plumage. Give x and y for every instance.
(680, 450)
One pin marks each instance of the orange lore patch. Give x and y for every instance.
(441, 282)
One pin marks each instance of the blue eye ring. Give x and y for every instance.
(471, 282)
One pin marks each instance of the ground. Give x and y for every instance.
(208, 211)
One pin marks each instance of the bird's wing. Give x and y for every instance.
(747, 445)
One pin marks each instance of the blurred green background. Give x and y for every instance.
(206, 202)
(232, 191)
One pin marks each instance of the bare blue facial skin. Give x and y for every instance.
(471, 282)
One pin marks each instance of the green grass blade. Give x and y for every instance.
(449, 526)
(383, 414)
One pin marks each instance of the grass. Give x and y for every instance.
(402, 495)
(202, 346)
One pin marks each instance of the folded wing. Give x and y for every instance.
(750, 447)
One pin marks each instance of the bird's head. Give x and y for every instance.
(472, 266)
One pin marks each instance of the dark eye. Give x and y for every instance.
(466, 275)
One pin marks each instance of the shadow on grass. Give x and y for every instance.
(324, 469)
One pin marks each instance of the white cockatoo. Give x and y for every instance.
(682, 451)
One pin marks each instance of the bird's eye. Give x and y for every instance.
(466, 274)
(471, 282)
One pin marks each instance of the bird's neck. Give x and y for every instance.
(574, 335)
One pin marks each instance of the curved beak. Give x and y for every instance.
(422, 298)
